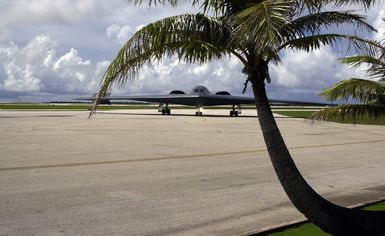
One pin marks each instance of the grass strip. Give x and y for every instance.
(311, 229)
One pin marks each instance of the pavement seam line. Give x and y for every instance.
(15, 168)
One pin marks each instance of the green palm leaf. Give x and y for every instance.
(312, 42)
(155, 2)
(214, 6)
(366, 3)
(312, 6)
(370, 93)
(260, 24)
(313, 23)
(376, 65)
(365, 91)
(359, 60)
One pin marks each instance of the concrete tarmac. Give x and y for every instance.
(139, 173)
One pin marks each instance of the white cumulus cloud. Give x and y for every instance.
(309, 72)
(37, 68)
(120, 33)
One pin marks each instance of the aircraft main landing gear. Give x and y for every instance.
(164, 109)
(235, 111)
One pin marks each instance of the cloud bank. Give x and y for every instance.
(60, 49)
(37, 69)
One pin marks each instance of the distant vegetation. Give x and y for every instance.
(362, 120)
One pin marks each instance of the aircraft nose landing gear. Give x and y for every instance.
(199, 111)
(233, 113)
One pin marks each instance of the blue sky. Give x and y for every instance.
(59, 49)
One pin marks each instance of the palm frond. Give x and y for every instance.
(193, 38)
(214, 6)
(365, 3)
(312, 42)
(376, 67)
(349, 112)
(359, 60)
(261, 23)
(317, 5)
(313, 23)
(155, 2)
(365, 91)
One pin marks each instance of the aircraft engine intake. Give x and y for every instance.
(223, 93)
(177, 92)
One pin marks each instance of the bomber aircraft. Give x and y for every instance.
(199, 96)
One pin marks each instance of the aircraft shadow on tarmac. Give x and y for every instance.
(177, 115)
(187, 115)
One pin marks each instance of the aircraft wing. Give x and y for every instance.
(203, 100)
(296, 103)
(191, 99)
(181, 99)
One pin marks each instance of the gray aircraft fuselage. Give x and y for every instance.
(199, 97)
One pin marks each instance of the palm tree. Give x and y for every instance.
(369, 93)
(254, 31)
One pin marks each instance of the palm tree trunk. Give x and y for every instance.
(331, 218)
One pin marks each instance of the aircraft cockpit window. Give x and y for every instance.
(200, 90)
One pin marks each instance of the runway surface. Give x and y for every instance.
(139, 173)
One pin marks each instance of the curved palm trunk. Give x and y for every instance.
(331, 218)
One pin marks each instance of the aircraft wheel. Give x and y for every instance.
(164, 112)
(235, 113)
(231, 113)
(197, 113)
(168, 111)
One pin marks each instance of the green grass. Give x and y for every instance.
(375, 207)
(303, 230)
(305, 114)
(311, 229)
